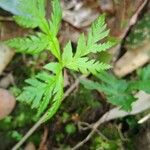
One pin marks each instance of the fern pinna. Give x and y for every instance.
(45, 90)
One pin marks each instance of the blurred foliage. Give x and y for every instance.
(120, 92)
(140, 33)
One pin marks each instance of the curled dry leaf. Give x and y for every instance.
(7, 103)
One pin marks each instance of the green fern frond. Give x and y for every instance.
(79, 61)
(117, 91)
(35, 91)
(31, 44)
(46, 89)
(31, 13)
(86, 66)
(27, 22)
(56, 17)
(57, 99)
(41, 90)
(91, 44)
(54, 67)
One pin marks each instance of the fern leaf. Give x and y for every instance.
(96, 33)
(54, 46)
(55, 17)
(31, 13)
(54, 67)
(30, 45)
(81, 47)
(85, 65)
(41, 90)
(58, 95)
(79, 61)
(27, 22)
(34, 93)
(117, 91)
(67, 55)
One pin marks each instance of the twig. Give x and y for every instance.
(145, 118)
(85, 126)
(94, 129)
(41, 120)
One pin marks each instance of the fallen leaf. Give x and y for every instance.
(132, 60)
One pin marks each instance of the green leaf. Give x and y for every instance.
(81, 46)
(79, 61)
(56, 17)
(97, 32)
(53, 28)
(143, 83)
(31, 13)
(43, 90)
(85, 65)
(144, 73)
(117, 91)
(31, 44)
(27, 22)
(53, 67)
(58, 95)
(39, 90)
(67, 55)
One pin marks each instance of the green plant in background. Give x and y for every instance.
(100, 143)
(120, 92)
(140, 33)
(45, 90)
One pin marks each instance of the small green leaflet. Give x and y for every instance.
(56, 17)
(31, 44)
(91, 44)
(85, 66)
(41, 90)
(31, 13)
(36, 89)
(58, 96)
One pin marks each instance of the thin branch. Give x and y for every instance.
(94, 129)
(144, 119)
(41, 120)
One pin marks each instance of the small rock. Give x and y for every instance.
(7, 103)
